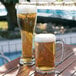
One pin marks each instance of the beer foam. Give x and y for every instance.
(45, 38)
(23, 9)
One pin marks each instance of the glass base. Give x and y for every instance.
(27, 61)
(33, 73)
(45, 70)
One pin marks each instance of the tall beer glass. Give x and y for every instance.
(26, 20)
(45, 52)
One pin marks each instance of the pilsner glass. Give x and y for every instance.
(45, 53)
(26, 15)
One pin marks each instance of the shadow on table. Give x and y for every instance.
(30, 71)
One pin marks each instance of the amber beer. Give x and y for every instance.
(45, 52)
(26, 19)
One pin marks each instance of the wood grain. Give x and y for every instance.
(66, 68)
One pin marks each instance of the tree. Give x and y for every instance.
(28, 0)
(11, 16)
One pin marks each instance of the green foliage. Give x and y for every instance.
(10, 34)
(3, 25)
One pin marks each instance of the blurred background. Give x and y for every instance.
(60, 22)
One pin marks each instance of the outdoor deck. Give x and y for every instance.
(66, 68)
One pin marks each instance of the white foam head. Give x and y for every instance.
(23, 9)
(45, 38)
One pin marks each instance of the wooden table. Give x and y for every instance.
(66, 68)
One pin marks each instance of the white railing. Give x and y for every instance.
(11, 46)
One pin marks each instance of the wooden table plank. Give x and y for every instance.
(66, 63)
(69, 70)
(67, 52)
(74, 73)
(69, 62)
(12, 73)
(8, 67)
(24, 70)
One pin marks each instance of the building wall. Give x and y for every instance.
(42, 0)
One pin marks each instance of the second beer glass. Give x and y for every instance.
(45, 52)
(26, 20)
